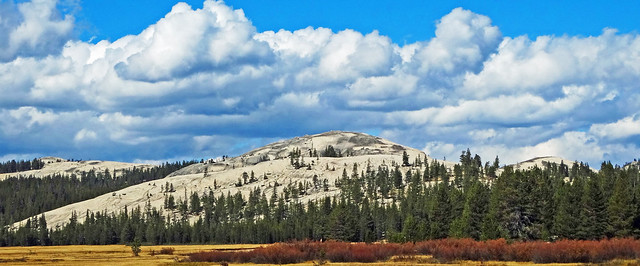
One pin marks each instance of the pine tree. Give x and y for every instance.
(410, 229)
(343, 223)
(43, 233)
(593, 212)
(367, 223)
(563, 223)
(469, 223)
(492, 225)
(620, 211)
(405, 159)
(440, 212)
(194, 203)
(397, 177)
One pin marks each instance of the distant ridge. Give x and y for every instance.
(270, 167)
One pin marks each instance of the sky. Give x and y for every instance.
(150, 81)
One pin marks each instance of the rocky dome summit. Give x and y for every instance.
(342, 142)
(328, 144)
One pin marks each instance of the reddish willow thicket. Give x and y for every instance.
(444, 250)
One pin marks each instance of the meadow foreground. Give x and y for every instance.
(152, 255)
(121, 255)
(103, 255)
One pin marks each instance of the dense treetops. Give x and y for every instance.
(412, 201)
(21, 165)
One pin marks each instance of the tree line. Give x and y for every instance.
(23, 197)
(21, 165)
(411, 201)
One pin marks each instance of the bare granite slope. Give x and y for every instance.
(271, 165)
(55, 165)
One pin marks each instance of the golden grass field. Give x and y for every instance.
(102, 255)
(122, 255)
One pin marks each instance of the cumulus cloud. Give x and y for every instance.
(33, 28)
(463, 40)
(623, 128)
(219, 38)
(321, 56)
(85, 135)
(544, 64)
(204, 83)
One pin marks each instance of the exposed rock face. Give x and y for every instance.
(634, 164)
(50, 159)
(540, 162)
(349, 144)
(270, 164)
(55, 165)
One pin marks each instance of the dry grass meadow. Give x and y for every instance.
(122, 255)
(103, 255)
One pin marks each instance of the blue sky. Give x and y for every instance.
(402, 21)
(162, 80)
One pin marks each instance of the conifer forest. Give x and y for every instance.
(407, 202)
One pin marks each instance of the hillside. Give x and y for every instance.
(344, 186)
(55, 165)
(271, 166)
(351, 144)
(540, 162)
(635, 164)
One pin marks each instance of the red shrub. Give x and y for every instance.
(360, 252)
(624, 248)
(406, 248)
(521, 251)
(364, 253)
(587, 251)
(378, 251)
(337, 251)
(494, 249)
(277, 253)
(455, 249)
(310, 248)
(563, 251)
(426, 247)
(445, 250)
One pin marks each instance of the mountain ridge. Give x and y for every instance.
(56, 165)
(270, 166)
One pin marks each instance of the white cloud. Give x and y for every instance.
(231, 102)
(85, 135)
(32, 29)
(571, 145)
(526, 108)
(482, 134)
(23, 119)
(439, 148)
(463, 39)
(218, 38)
(304, 43)
(541, 65)
(321, 56)
(380, 89)
(623, 128)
